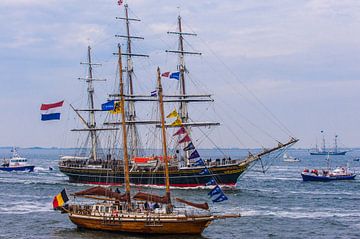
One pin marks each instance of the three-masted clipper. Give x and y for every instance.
(123, 213)
(325, 151)
(149, 171)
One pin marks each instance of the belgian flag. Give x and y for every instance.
(60, 199)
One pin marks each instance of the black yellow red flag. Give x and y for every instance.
(60, 199)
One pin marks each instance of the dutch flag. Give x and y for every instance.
(51, 111)
(171, 75)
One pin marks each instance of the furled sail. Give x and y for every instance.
(100, 191)
(151, 198)
(204, 206)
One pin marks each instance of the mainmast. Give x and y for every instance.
(123, 124)
(92, 122)
(131, 112)
(164, 146)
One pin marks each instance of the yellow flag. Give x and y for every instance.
(173, 114)
(177, 122)
(117, 108)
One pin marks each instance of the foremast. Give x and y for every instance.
(131, 111)
(183, 106)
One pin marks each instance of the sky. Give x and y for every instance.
(275, 68)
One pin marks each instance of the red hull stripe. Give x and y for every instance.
(50, 106)
(191, 185)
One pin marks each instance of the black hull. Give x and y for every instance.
(184, 178)
(328, 153)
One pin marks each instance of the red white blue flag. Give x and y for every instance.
(171, 75)
(51, 111)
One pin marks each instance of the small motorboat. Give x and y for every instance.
(16, 163)
(356, 159)
(340, 173)
(288, 158)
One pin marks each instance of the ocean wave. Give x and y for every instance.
(24, 207)
(299, 214)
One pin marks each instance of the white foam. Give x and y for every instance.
(24, 207)
(303, 213)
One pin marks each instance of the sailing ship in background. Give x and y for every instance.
(185, 168)
(117, 212)
(326, 151)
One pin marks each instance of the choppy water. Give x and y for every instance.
(277, 204)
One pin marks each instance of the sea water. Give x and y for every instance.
(274, 204)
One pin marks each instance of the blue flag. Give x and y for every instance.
(220, 198)
(190, 146)
(108, 105)
(194, 155)
(204, 171)
(211, 182)
(216, 190)
(199, 162)
(154, 93)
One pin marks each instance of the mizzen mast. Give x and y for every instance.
(131, 112)
(163, 131)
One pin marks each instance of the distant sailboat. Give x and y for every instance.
(324, 151)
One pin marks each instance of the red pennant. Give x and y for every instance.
(185, 139)
(180, 131)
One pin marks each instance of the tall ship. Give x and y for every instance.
(143, 212)
(327, 151)
(185, 166)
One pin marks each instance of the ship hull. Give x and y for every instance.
(143, 224)
(182, 178)
(328, 153)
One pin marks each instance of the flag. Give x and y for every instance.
(194, 155)
(171, 75)
(177, 122)
(173, 114)
(180, 131)
(108, 105)
(120, 2)
(211, 182)
(220, 198)
(51, 111)
(199, 162)
(60, 199)
(216, 190)
(204, 171)
(117, 108)
(154, 93)
(190, 146)
(185, 139)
